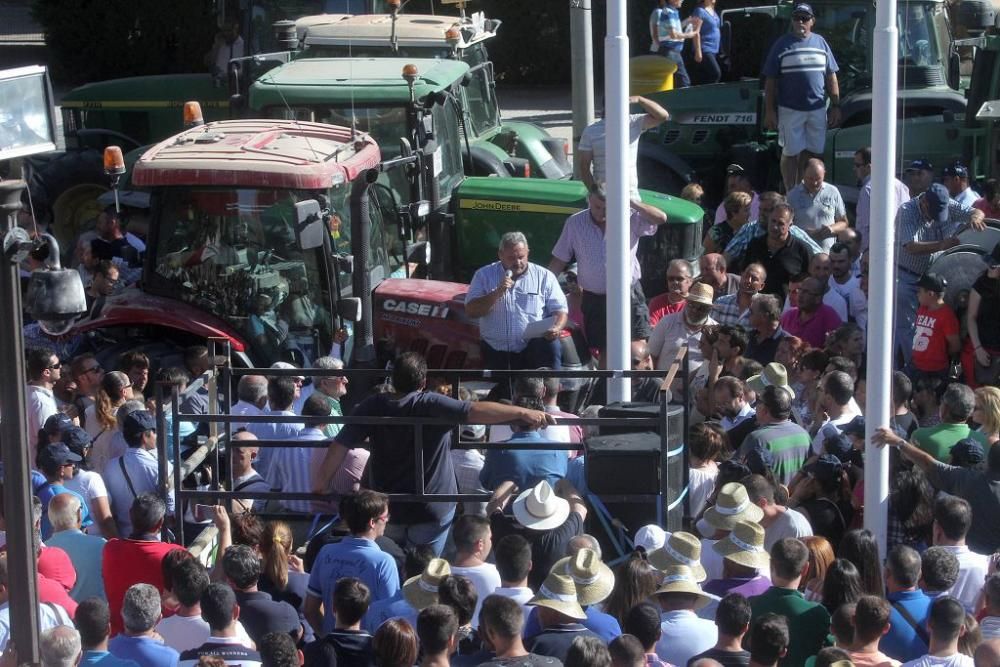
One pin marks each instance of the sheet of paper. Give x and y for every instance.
(538, 329)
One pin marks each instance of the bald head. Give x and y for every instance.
(244, 436)
(64, 512)
(584, 541)
(641, 361)
(820, 267)
(988, 653)
(814, 175)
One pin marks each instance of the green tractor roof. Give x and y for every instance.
(159, 91)
(360, 81)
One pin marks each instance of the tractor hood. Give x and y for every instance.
(134, 308)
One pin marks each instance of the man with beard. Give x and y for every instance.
(844, 281)
(738, 417)
(782, 255)
(508, 295)
(683, 328)
(812, 320)
(673, 300)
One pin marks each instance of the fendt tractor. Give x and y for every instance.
(714, 125)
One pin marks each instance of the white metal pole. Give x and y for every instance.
(882, 264)
(617, 168)
(582, 50)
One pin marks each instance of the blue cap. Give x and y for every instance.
(803, 8)
(920, 165)
(937, 199)
(136, 423)
(956, 169)
(854, 427)
(826, 468)
(840, 446)
(759, 460)
(56, 454)
(77, 439)
(57, 424)
(967, 452)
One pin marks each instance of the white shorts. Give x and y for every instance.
(801, 131)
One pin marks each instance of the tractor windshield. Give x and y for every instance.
(234, 253)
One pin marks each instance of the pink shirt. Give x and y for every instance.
(814, 331)
(583, 240)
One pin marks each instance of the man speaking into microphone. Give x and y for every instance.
(520, 307)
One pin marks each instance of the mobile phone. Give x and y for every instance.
(202, 512)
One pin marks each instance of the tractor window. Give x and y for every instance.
(480, 102)
(234, 253)
(450, 144)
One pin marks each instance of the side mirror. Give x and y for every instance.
(309, 224)
(349, 309)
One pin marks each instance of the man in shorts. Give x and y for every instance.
(801, 73)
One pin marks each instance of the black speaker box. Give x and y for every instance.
(624, 410)
(623, 463)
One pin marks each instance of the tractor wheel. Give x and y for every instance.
(65, 186)
(655, 176)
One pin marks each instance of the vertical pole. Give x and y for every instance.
(582, 56)
(617, 168)
(881, 266)
(21, 577)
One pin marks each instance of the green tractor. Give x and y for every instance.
(714, 125)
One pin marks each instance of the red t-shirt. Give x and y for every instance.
(930, 342)
(659, 306)
(55, 564)
(50, 590)
(127, 562)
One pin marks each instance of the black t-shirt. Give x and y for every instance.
(763, 351)
(906, 423)
(341, 648)
(828, 519)
(260, 615)
(989, 310)
(530, 660)
(555, 640)
(393, 463)
(789, 261)
(724, 658)
(547, 546)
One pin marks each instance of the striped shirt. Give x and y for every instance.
(535, 295)
(911, 226)
(800, 65)
(787, 441)
(582, 239)
(900, 194)
(737, 248)
(291, 469)
(727, 311)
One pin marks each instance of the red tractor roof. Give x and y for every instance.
(258, 154)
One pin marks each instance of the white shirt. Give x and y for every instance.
(90, 485)
(832, 427)
(972, 569)
(50, 615)
(186, 632)
(955, 660)
(790, 523)
(728, 424)
(291, 469)
(519, 594)
(485, 578)
(41, 405)
(701, 483)
(273, 431)
(669, 334)
(990, 627)
(684, 636)
(900, 194)
(712, 562)
(966, 197)
(594, 140)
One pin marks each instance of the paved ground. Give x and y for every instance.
(546, 106)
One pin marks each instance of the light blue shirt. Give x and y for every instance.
(822, 209)
(143, 469)
(384, 610)
(145, 651)
(291, 472)
(85, 552)
(49, 616)
(105, 659)
(352, 557)
(535, 295)
(683, 636)
(272, 431)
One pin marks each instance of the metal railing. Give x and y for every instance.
(221, 378)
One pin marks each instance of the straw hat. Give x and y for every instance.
(774, 374)
(732, 505)
(701, 293)
(592, 578)
(681, 549)
(745, 546)
(539, 508)
(558, 592)
(679, 579)
(422, 591)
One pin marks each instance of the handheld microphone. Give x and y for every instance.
(509, 273)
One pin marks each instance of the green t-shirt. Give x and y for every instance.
(808, 622)
(938, 440)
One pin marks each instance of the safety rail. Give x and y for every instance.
(223, 376)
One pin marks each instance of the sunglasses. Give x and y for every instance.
(801, 18)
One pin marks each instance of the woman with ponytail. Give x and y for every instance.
(101, 418)
(283, 575)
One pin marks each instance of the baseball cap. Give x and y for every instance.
(803, 8)
(932, 282)
(57, 424)
(735, 169)
(56, 454)
(937, 198)
(854, 427)
(920, 165)
(826, 468)
(137, 423)
(77, 439)
(837, 445)
(956, 169)
(966, 452)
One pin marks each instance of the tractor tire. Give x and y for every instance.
(658, 177)
(64, 190)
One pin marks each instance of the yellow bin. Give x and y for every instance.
(650, 74)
